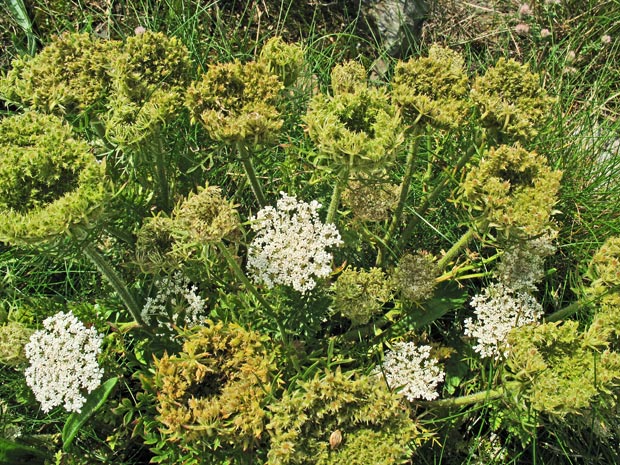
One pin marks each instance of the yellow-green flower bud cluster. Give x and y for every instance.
(149, 75)
(235, 102)
(514, 190)
(360, 294)
(511, 100)
(358, 131)
(563, 370)
(215, 388)
(164, 243)
(604, 267)
(13, 338)
(283, 60)
(50, 182)
(336, 418)
(347, 76)
(432, 90)
(68, 75)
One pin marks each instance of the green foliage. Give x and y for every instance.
(347, 77)
(432, 90)
(511, 100)
(50, 180)
(212, 394)
(338, 418)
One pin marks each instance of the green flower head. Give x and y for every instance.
(50, 182)
(147, 62)
(432, 89)
(414, 277)
(359, 294)
(13, 338)
(604, 267)
(149, 76)
(67, 76)
(206, 216)
(359, 131)
(370, 199)
(514, 190)
(511, 99)
(347, 77)
(336, 419)
(282, 59)
(214, 390)
(235, 102)
(563, 370)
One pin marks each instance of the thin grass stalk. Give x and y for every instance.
(412, 222)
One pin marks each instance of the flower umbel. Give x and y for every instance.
(291, 244)
(412, 371)
(500, 309)
(63, 362)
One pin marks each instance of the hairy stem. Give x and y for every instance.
(341, 183)
(117, 282)
(456, 248)
(404, 192)
(250, 172)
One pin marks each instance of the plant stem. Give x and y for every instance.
(341, 183)
(250, 172)
(456, 248)
(404, 191)
(470, 399)
(117, 282)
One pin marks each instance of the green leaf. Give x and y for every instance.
(95, 401)
(20, 15)
(12, 453)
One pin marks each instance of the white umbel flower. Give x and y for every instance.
(412, 371)
(63, 362)
(290, 246)
(499, 309)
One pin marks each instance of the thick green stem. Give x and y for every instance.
(339, 187)
(456, 248)
(402, 199)
(161, 175)
(118, 284)
(250, 172)
(463, 401)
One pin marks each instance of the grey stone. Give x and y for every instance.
(397, 22)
